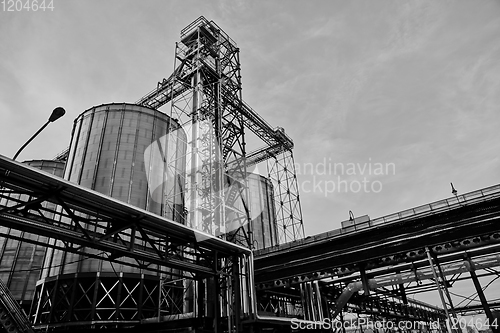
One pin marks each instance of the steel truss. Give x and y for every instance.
(204, 92)
(281, 171)
(317, 300)
(207, 109)
(95, 300)
(422, 250)
(468, 226)
(77, 218)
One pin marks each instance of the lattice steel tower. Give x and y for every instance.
(204, 93)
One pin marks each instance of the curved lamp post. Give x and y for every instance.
(56, 114)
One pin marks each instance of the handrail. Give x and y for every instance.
(440, 206)
(435, 207)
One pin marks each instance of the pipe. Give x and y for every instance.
(350, 290)
(342, 300)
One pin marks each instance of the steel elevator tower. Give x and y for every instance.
(204, 93)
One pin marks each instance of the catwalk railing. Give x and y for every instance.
(388, 254)
(485, 194)
(449, 204)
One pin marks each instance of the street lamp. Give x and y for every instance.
(453, 191)
(56, 114)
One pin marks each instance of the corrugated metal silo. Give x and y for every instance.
(262, 211)
(134, 154)
(108, 154)
(21, 262)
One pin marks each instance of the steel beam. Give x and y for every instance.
(480, 293)
(445, 307)
(206, 86)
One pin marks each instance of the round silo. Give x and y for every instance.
(134, 154)
(131, 153)
(262, 211)
(20, 261)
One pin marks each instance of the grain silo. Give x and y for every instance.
(21, 262)
(261, 211)
(124, 151)
(134, 154)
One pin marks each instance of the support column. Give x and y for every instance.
(431, 264)
(237, 295)
(53, 301)
(364, 279)
(445, 284)
(480, 293)
(402, 293)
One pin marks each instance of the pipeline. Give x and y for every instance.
(350, 290)
(254, 316)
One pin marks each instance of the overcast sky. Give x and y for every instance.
(409, 86)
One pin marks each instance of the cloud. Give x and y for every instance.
(411, 27)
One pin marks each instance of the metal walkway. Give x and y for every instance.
(84, 218)
(40, 203)
(426, 248)
(462, 234)
(467, 222)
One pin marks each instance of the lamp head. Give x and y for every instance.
(453, 190)
(56, 114)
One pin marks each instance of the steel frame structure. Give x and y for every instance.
(425, 248)
(204, 92)
(464, 236)
(77, 218)
(210, 62)
(439, 242)
(205, 95)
